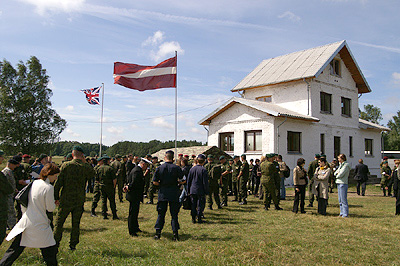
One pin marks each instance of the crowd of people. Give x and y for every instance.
(194, 183)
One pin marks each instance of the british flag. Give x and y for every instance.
(92, 95)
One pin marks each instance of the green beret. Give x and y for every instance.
(317, 155)
(222, 157)
(243, 156)
(323, 155)
(69, 155)
(77, 148)
(104, 157)
(231, 160)
(1, 153)
(235, 156)
(117, 156)
(384, 162)
(270, 155)
(210, 156)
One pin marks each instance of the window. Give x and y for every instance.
(294, 142)
(326, 102)
(267, 99)
(368, 147)
(226, 141)
(336, 146)
(322, 142)
(351, 146)
(335, 67)
(253, 140)
(346, 107)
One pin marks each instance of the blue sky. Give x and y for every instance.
(218, 42)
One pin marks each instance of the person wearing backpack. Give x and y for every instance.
(284, 172)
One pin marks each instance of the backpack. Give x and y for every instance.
(286, 172)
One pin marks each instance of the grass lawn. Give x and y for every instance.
(245, 235)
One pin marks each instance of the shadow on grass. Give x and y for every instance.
(118, 253)
(350, 206)
(86, 230)
(220, 218)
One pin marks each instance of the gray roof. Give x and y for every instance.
(268, 108)
(302, 65)
(364, 124)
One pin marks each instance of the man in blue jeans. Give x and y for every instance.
(342, 181)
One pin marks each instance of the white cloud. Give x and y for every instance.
(133, 126)
(157, 38)
(166, 49)
(72, 133)
(396, 77)
(161, 122)
(225, 82)
(290, 15)
(115, 130)
(130, 106)
(45, 6)
(196, 130)
(381, 47)
(69, 108)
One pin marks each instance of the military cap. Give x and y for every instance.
(69, 155)
(148, 155)
(104, 157)
(243, 155)
(77, 148)
(323, 155)
(13, 161)
(124, 156)
(210, 156)
(317, 155)
(154, 157)
(270, 155)
(180, 154)
(193, 156)
(384, 162)
(187, 156)
(231, 160)
(26, 156)
(145, 160)
(235, 156)
(42, 156)
(385, 158)
(1, 153)
(201, 157)
(222, 157)
(117, 156)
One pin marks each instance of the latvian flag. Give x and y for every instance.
(143, 78)
(92, 95)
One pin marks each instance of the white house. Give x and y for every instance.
(297, 105)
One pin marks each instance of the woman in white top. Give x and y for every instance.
(33, 229)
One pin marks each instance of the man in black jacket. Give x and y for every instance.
(168, 177)
(134, 194)
(361, 176)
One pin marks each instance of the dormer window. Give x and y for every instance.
(335, 67)
(266, 99)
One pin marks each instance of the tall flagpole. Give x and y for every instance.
(176, 104)
(101, 122)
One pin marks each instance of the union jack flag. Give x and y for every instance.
(92, 95)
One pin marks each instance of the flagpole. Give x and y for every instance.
(101, 121)
(176, 104)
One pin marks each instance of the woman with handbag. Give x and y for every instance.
(33, 229)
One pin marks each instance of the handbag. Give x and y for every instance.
(22, 196)
(187, 203)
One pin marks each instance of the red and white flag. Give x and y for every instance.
(143, 78)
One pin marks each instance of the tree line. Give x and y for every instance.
(141, 149)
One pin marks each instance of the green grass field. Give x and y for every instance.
(245, 235)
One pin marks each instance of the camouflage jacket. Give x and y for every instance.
(70, 186)
(105, 174)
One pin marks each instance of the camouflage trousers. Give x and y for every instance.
(147, 184)
(120, 187)
(213, 192)
(108, 193)
(224, 192)
(12, 217)
(152, 190)
(96, 195)
(269, 191)
(242, 188)
(62, 214)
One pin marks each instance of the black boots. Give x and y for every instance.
(176, 236)
(157, 236)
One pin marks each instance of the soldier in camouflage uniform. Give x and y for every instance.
(311, 170)
(230, 193)
(96, 189)
(21, 174)
(226, 170)
(147, 177)
(5, 190)
(117, 165)
(107, 177)
(71, 183)
(153, 188)
(214, 175)
(386, 173)
(12, 164)
(235, 173)
(243, 179)
(268, 170)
